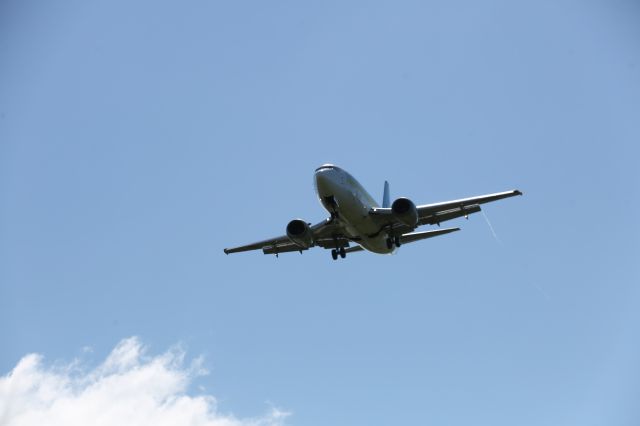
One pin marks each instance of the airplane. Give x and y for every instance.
(356, 218)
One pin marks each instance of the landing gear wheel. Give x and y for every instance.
(343, 253)
(389, 243)
(334, 254)
(397, 241)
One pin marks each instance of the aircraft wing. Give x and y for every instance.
(325, 235)
(272, 242)
(434, 214)
(440, 212)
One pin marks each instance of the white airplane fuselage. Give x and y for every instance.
(357, 218)
(349, 204)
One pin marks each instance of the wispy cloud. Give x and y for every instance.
(128, 388)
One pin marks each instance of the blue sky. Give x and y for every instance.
(137, 140)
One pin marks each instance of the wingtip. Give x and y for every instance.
(226, 251)
(517, 192)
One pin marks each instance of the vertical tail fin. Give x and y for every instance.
(385, 196)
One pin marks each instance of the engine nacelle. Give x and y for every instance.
(405, 211)
(299, 232)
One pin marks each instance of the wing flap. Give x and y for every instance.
(282, 248)
(443, 216)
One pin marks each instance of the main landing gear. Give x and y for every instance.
(393, 241)
(338, 252)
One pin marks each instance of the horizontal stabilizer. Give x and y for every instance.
(417, 236)
(353, 249)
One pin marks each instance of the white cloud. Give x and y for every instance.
(128, 388)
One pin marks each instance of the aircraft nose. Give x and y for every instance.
(323, 181)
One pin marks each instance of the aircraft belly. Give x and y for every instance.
(358, 223)
(356, 216)
(377, 244)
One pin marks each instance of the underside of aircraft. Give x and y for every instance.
(358, 223)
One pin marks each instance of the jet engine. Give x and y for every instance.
(300, 233)
(405, 211)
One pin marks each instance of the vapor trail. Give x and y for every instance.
(491, 227)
